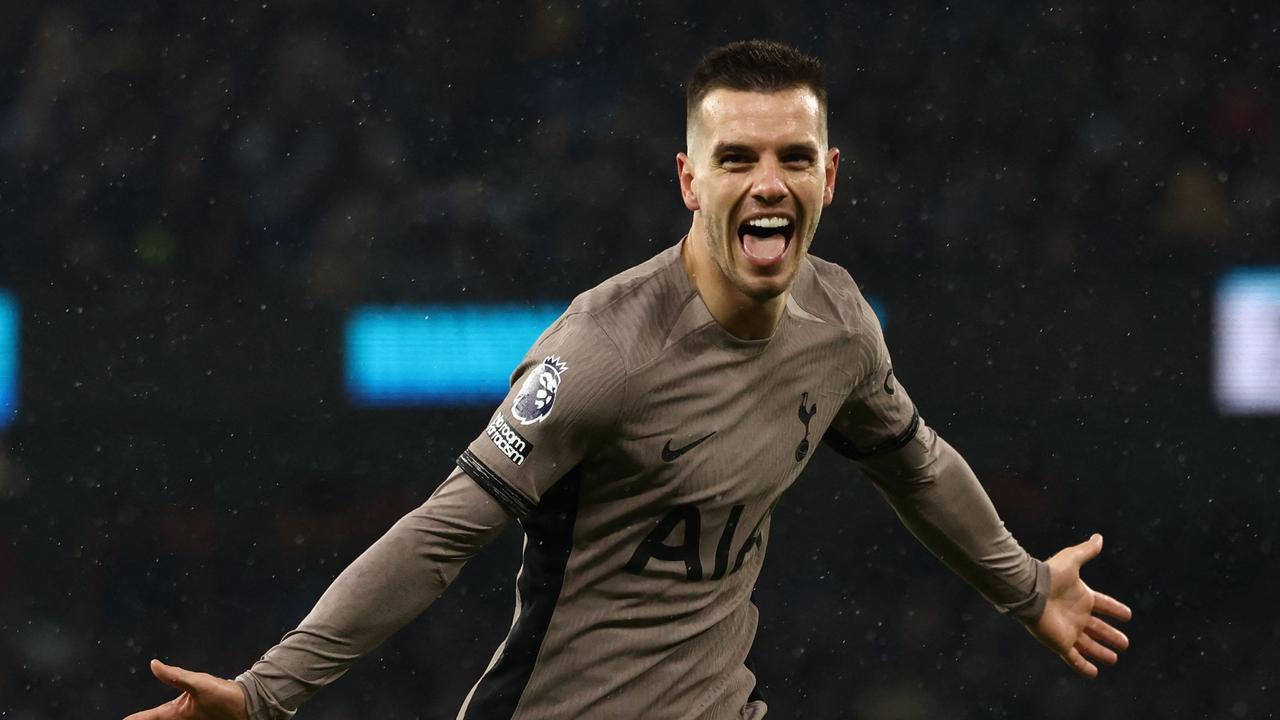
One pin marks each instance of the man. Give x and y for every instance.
(646, 438)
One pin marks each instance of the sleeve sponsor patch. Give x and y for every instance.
(537, 396)
(511, 443)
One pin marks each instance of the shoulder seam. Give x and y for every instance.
(845, 329)
(666, 344)
(629, 289)
(684, 305)
(617, 351)
(625, 292)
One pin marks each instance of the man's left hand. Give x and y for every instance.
(1070, 624)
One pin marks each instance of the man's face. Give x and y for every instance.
(757, 175)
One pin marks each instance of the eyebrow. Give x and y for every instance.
(729, 148)
(805, 148)
(724, 148)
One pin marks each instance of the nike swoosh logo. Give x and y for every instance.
(669, 455)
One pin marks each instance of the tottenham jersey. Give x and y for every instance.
(642, 448)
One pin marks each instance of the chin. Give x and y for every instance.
(765, 288)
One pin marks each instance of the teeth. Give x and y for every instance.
(769, 222)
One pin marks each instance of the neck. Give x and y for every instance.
(742, 316)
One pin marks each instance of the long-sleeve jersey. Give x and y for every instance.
(642, 449)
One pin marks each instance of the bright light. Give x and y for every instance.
(439, 354)
(8, 358)
(1247, 342)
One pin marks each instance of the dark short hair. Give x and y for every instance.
(755, 66)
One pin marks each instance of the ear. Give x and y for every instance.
(829, 182)
(684, 173)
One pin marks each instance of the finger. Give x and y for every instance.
(175, 677)
(1108, 605)
(1096, 650)
(1079, 664)
(1099, 630)
(1087, 550)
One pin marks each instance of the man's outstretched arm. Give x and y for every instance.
(387, 586)
(940, 500)
(566, 397)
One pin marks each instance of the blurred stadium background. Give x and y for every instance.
(219, 227)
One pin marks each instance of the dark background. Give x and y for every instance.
(192, 199)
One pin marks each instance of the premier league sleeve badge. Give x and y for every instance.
(537, 395)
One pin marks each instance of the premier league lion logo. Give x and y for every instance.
(538, 394)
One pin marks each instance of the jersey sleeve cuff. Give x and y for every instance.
(511, 499)
(258, 704)
(1029, 610)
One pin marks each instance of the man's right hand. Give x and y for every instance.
(204, 697)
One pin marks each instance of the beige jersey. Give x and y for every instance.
(642, 448)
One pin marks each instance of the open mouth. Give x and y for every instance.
(765, 239)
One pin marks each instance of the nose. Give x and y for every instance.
(767, 187)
